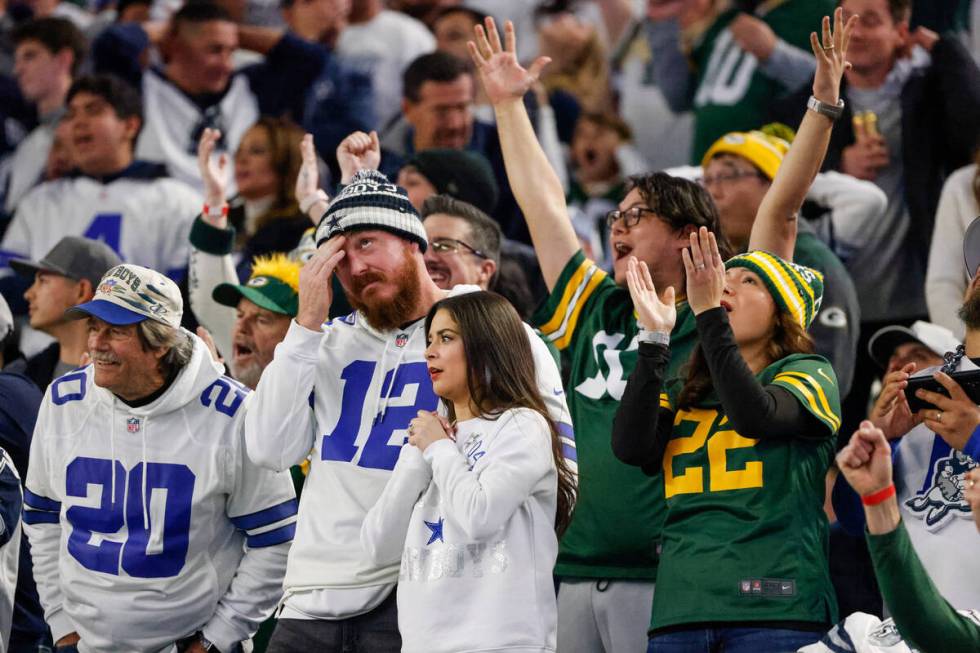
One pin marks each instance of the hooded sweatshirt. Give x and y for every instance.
(206, 549)
(348, 393)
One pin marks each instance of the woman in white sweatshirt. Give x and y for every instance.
(475, 500)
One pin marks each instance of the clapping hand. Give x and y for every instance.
(652, 313)
(308, 179)
(503, 77)
(705, 271)
(214, 172)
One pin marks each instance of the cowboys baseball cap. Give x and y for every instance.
(937, 339)
(971, 247)
(273, 285)
(74, 257)
(128, 294)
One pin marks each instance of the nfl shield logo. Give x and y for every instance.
(133, 425)
(401, 340)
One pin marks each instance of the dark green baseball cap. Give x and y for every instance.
(265, 291)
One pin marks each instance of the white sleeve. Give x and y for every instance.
(946, 279)
(481, 502)
(205, 272)
(547, 130)
(42, 524)
(279, 424)
(853, 205)
(178, 212)
(548, 376)
(263, 506)
(386, 523)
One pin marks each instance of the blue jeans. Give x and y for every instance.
(732, 640)
(373, 632)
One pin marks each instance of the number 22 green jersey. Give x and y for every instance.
(615, 529)
(745, 537)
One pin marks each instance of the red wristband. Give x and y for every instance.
(875, 498)
(207, 210)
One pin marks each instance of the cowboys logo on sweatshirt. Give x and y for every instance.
(134, 561)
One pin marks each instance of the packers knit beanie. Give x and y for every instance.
(461, 174)
(370, 201)
(796, 289)
(762, 150)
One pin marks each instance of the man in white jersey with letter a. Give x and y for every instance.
(347, 391)
(150, 529)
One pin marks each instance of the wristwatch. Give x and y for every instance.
(655, 337)
(832, 111)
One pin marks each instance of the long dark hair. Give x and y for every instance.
(500, 373)
(788, 337)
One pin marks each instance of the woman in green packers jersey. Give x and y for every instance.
(744, 443)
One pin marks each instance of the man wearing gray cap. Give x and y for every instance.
(150, 529)
(67, 275)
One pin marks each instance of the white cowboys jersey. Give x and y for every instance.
(147, 524)
(364, 386)
(172, 125)
(147, 221)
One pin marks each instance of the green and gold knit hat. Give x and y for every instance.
(795, 288)
(274, 286)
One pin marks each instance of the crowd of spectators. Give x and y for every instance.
(204, 140)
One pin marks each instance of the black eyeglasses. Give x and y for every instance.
(631, 216)
(728, 177)
(451, 246)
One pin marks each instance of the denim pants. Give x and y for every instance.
(732, 640)
(372, 632)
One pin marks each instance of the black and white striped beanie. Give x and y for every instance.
(370, 201)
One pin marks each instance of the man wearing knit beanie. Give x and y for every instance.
(341, 395)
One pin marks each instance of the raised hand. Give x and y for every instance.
(359, 151)
(891, 412)
(308, 193)
(831, 54)
(315, 290)
(705, 271)
(866, 461)
(503, 77)
(652, 313)
(214, 172)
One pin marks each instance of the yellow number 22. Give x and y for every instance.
(691, 480)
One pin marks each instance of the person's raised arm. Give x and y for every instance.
(535, 185)
(775, 223)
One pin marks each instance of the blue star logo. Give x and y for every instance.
(436, 528)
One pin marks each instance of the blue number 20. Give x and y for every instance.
(111, 516)
(376, 452)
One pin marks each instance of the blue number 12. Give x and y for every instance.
(376, 453)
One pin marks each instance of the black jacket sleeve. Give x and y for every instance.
(641, 428)
(753, 410)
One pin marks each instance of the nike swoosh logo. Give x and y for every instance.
(558, 392)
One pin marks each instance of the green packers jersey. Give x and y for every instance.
(745, 537)
(616, 526)
(732, 93)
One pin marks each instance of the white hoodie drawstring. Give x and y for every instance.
(112, 447)
(377, 399)
(394, 370)
(145, 499)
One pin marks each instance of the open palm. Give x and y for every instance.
(652, 313)
(502, 75)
